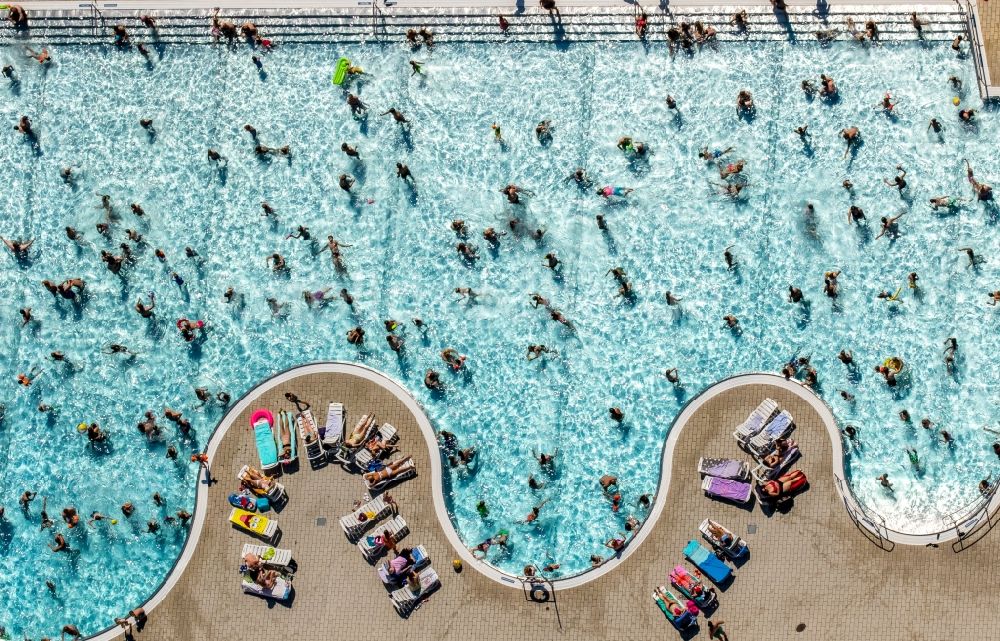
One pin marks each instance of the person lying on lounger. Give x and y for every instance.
(781, 447)
(785, 485)
(665, 602)
(354, 438)
(720, 533)
(389, 471)
(257, 480)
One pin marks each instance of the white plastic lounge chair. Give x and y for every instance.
(275, 492)
(420, 560)
(335, 419)
(763, 473)
(724, 468)
(387, 434)
(310, 437)
(727, 489)
(374, 511)
(756, 421)
(736, 547)
(378, 480)
(779, 427)
(282, 588)
(268, 555)
(406, 600)
(372, 549)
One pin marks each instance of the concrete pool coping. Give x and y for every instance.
(134, 5)
(401, 393)
(970, 10)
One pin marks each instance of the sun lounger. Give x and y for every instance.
(371, 546)
(354, 440)
(310, 437)
(286, 425)
(756, 421)
(406, 600)
(779, 427)
(692, 587)
(254, 524)
(420, 561)
(274, 492)
(763, 473)
(727, 489)
(680, 620)
(282, 588)
(709, 564)
(268, 555)
(372, 512)
(734, 547)
(387, 434)
(334, 431)
(267, 452)
(381, 478)
(724, 468)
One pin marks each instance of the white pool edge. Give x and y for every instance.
(430, 437)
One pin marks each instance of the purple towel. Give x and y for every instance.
(723, 468)
(728, 489)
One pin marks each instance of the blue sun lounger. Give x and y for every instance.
(709, 564)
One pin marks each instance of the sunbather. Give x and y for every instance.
(400, 564)
(784, 485)
(378, 447)
(389, 471)
(781, 447)
(720, 533)
(666, 603)
(256, 480)
(357, 435)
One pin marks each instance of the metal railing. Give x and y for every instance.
(870, 524)
(969, 523)
(385, 21)
(976, 46)
(976, 523)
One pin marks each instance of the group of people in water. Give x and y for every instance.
(732, 183)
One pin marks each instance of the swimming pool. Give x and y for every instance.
(670, 235)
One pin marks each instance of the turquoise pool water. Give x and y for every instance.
(669, 235)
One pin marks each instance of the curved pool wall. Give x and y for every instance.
(228, 420)
(96, 92)
(439, 481)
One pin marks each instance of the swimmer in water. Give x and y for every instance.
(948, 202)
(889, 226)
(731, 262)
(899, 182)
(715, 154)
(608, 191)
(396, 115)
(983, 191)
(851, 136)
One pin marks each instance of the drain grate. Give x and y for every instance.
(320, 521)
(751, 528)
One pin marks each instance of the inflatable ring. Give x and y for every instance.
(539, 593)
(262, 414)
(894, 363)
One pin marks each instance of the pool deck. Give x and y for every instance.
(809, 564)
(988, 19)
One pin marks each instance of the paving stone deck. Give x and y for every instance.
(808, 565)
